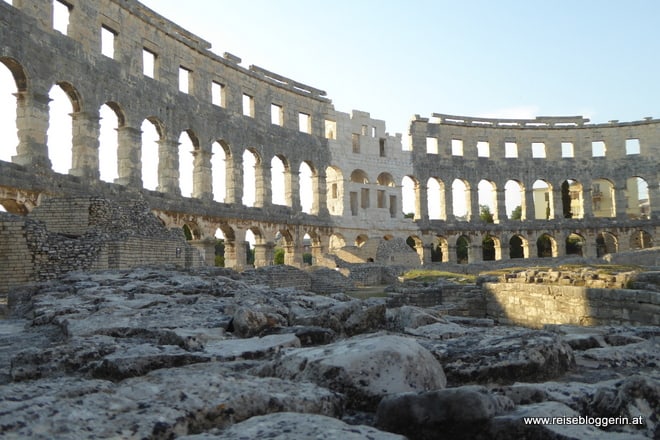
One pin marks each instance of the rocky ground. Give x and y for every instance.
(157, 353)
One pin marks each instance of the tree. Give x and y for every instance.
(278, 257)
(220, 252)
(485, 215)
(517, 213)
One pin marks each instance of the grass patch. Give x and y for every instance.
(427, 276)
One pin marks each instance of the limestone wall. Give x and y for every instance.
(533, 305)
(16, 259)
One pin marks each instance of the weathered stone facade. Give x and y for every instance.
(357, 168)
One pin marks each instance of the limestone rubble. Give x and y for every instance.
(158, 352)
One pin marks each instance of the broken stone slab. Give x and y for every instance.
(251, 348)
(456, 413)
(166, 403)
(502, 355)
(439, 330)
(295, 426)
(363, 368)
(400, 318)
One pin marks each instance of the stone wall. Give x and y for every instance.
(534, 305)
(16, 259)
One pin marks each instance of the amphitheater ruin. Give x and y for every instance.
(585, 189)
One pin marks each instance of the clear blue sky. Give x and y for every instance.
(394, 59)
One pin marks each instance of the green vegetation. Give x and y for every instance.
(485, 215)
(278, 257)
(425, 275)
(516, 214)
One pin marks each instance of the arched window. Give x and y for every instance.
(108, 143)
(60, 130)
(7, 114)
(278, 183)
(219, 170)
(306, 188)
(150, 138)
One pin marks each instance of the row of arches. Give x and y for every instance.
(540, 200)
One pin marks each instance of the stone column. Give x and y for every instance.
(129, 156)
(500, 214)
(206, 248)
(473, 215)
(561, 245)
(32, 125)
(292, 183)
(421, 202)
(451, 254)
(529, 208)
(590, 249)
(449, 203)
(620, 202)
(654, 198)
(587, 198)
(475, 253)
(234, 179)
(319, 192)
(202, 179)
(293, 254)
(168, 166)
(86, 132)
(263, 254)
(424, 252)
(263, 192)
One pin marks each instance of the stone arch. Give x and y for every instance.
(575, 244)
(637, 198)
(514, 200)
(336, 241)
(440, 249)
(359, 176)
(410, 203)
(152, 134)
(308, 196)
(461, 206)
(252, 178)
(417, 245)
(546, 246)
(335, 182)
(491, 248)
(572, 202)
(385, 179)
(111, 120)
(487, 195)
(13, 81)
(188, 148)
(606, 243)
(435, 199)
(518, 247)
(641, 239)
(191, 231)
(65, 102)
(220, 169)
(602, 198)
(543, 202)
(463, 249)
(280, 180)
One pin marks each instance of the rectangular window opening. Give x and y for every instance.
(456, 147)
(392, 206)
(431, 145)
(148, 63)
(632, 146)
(538, 150)
(354, 203)
(364, 198)
(184, 80)
(356, 142)
(510, 150)
(276, 115)
(483, 149)
(373, 132)
(304, 123)
(567, 150)
(108, 37)
(248, 105)
(365, 130)
(335, 191)
(598, 149)
(61, 15)
(330, 129)
(381, 199)
(217, 94)
(381, 147)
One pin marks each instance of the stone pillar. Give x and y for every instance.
(421, 202)
(317, 252)
(449, 203)
(129, 156)
(590, 249)
(263, 254)
(234, 179)
(620, 202)
(168, 166)
(263, 192)
(451, 254)
(556, 208)
(202, 178)
(292, 183)
(500, 214)
(529, 209)
(319, 192)
(32, 125)
(424, 252)
(654, 198)
(86, 132)
(561, 245)
(206, 248)
(587, 198)
(475, 253)
(293, 254)
(473, 215)
(502, 250)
